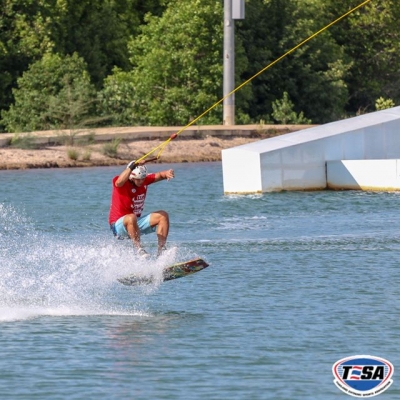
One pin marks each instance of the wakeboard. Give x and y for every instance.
(174, 271)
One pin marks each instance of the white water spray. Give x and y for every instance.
(54, 273)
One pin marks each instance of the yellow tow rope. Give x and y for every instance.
(162, 146)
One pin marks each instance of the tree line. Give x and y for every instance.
(68, 64)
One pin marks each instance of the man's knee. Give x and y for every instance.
(158, 217)
(164, 214)
(164, 218)
(130, 219)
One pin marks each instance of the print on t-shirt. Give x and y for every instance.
(138, 203)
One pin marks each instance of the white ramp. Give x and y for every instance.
(297, 161)
(363, 175)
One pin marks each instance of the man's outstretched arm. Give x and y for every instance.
(167, 174)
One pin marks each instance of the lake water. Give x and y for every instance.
(297, 281)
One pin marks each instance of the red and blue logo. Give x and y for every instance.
(363, 376)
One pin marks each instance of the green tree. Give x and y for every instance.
(177, 62)
(313, 75)
(370, 38)
(24, 38)
(283, 112)
(55, 93)
(117, 99)
(160, 61)
(98, 30)
(260, 33)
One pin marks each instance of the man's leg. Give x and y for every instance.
(131, 226)
(161, 219)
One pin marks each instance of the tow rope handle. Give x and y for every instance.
(160, 146)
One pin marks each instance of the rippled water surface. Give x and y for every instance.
(297, 281)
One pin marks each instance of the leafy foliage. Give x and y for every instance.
(55, 93)
(383, 104)
(159, 62)
(370, 38)
(23, 141)
(97, 30)
(24, 38)
(313, 75)
(117, 98)
(73, 154)
(177, 67)
(283, 112)
(110, 149)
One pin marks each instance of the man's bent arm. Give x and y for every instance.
(124, 176)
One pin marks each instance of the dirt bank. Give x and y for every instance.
(207, 149)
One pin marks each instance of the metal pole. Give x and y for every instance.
(229, 64)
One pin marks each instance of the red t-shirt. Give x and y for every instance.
(128, 199)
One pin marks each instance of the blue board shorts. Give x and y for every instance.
(120, 232)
